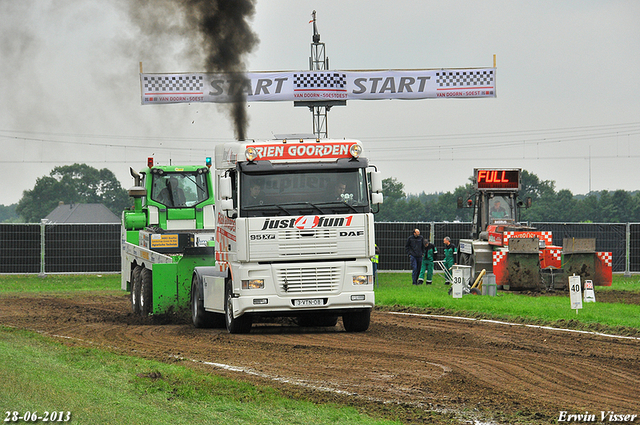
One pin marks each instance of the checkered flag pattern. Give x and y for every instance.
(498, 256)
(606, 257)
(546, 236)
(174, 84)
(320, 80)
(465, 78)
(556, 254)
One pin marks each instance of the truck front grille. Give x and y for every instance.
(309, 279)
(297, 243)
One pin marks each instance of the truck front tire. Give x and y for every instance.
(235, 325)
(357, 321)
(200, 317)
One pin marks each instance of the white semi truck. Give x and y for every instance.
(294, 235)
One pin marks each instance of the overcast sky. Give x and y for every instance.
(567, 105)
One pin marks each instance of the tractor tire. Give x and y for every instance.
(135, 289)
(146, 292)
(357, 321)
(235, 325)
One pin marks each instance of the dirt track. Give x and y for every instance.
(405, 367)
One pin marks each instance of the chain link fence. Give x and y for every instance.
(95, 248)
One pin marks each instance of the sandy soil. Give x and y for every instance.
(414, 368)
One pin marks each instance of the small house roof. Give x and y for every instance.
(82, 213)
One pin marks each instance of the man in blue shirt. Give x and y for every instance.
(414, 247)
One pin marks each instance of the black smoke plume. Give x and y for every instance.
(217, 36)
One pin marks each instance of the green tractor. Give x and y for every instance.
(169, 232)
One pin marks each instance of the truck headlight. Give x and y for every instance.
(250, 153)
(363, 279)
(253, 284)
(355, 150)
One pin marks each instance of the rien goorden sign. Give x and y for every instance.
(318, 85)
(302, 151)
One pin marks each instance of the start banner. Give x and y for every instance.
(321, 86)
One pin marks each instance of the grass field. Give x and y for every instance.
(41, 374)
(396, 291)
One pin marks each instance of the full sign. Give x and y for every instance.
(497, 179)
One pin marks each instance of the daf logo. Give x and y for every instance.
(352, 233)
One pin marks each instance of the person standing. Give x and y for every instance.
(414, 247)
(450, 255)
(375, 260)
(430, 253)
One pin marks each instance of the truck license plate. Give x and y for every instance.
(308, 302)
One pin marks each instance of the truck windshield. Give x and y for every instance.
(179, 190)
(303, 192)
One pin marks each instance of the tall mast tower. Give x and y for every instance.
(318, 61)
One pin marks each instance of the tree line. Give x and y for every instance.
(80, 183)
(548, 204)
(71, 184)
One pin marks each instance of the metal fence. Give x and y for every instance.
(95, 248)
(621, 239)
(59, 248)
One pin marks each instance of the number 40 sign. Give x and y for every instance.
(575, 292)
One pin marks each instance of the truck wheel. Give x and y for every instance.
(357, 321)
(135, 289)
(200, 317)
(146, 294)
(235, 325)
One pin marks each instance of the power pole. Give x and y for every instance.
(318, 61)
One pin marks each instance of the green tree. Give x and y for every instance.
(8, 214)
(617, 207)
(394, 206)
(77, 183)
(532, 186)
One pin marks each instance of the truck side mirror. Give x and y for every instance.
(376, 182)
(226, 204)
(376, 198)
(224, 186)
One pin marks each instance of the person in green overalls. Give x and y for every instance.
(428, 258)
(450, 254)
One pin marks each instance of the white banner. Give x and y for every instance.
(318, 85)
